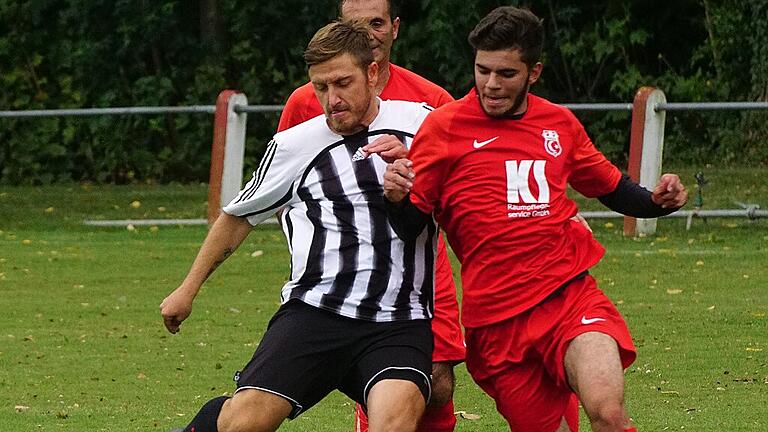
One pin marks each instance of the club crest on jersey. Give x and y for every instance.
(552, 142)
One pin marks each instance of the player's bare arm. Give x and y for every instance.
(398, 180)
(225, 236)
(670, 192)
(388, 147)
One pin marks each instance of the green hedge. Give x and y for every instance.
(105, 53)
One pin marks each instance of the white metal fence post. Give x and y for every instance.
(653, 147)
(645, 150)
(227, 151)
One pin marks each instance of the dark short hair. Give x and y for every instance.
(340, 37)
(508, 27)
(394, 8)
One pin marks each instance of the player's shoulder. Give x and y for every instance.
(412, 76)
(304, 136)
(418, 81)
(546, 107)
(302, 91)
(403, 115)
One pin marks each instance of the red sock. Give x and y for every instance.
(361, 420)
(434, 419)
(632, 429)
(438, 419)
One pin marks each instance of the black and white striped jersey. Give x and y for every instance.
(345, 257)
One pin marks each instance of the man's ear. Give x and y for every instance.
(373, 73)
(395, 27)
(535, 73)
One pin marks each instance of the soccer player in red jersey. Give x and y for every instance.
(397, 83)
(492, 169)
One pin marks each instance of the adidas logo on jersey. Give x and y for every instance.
(359, 155)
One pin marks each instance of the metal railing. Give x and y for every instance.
(243, 108)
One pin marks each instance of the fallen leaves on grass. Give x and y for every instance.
(135, 204)
(21, 408)
(674, 291)
(467, 416)
(257, 253)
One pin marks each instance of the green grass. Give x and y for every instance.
(83, 347)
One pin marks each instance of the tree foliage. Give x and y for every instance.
(99, 53)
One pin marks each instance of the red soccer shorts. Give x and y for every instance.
(449, 340)
(520, 362)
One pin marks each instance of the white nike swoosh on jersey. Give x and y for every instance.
(480, 144)
(585, 320)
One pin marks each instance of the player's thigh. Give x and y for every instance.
(395, 351)
(395, 404)
(594, 368)
(298, 365)
(253, 411)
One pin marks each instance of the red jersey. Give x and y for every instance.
(403, 84)
(498, 189)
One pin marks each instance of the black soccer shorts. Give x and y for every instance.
(308, 352)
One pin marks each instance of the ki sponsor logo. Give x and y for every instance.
(552, 142)
(521, 203)
(480, 144)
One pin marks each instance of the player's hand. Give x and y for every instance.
(580, 219)
(175, 309)
(398, 180)
(388, 147)
(669, 192)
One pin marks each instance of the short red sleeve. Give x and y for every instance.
(301, 106)
(593, 175)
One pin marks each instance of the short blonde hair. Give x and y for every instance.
(340, 37)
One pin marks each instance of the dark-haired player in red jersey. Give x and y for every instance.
(397, 83)
(492, 168)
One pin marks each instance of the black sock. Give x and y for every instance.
(205, 420)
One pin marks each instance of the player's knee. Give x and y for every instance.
(608, 413)
(443, 382)
(392, 421)
(252, 414)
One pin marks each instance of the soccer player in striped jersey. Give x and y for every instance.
(397, 83)
(492, 169)
(355, 314)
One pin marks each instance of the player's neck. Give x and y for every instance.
(383, 77)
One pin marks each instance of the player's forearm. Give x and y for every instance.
(224, 237)
(631, 199)
(406, 219)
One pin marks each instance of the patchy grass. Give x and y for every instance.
(82, 345)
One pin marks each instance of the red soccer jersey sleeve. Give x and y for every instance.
(301, 106)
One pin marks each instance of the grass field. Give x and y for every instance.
(82, 347)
